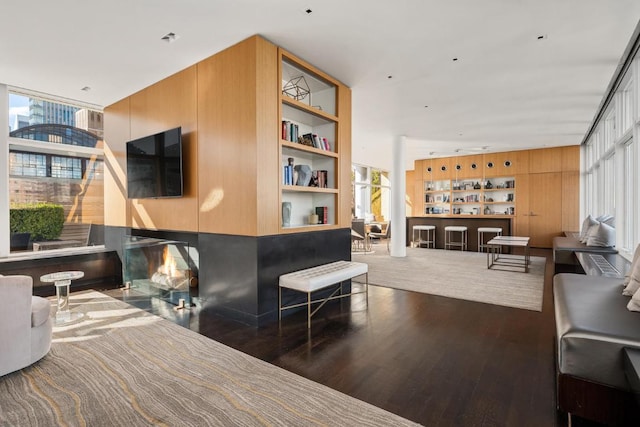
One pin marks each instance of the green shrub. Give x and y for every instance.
(43, 220)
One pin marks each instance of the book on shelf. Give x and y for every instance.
(287, 175)
(322, 212)
(319, 178)
(316, 141)
(289, 131)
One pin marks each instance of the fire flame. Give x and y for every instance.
(169, 263)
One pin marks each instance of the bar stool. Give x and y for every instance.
(481, 231)
(448, 243)
(430, 237)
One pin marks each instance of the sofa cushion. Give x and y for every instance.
(592, 327)
(601, 235)
(588, 222)
(40, 311)
(634, 284)
(636, 256)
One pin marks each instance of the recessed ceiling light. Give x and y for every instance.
(308, 10)
(170, 37)
(86, 89)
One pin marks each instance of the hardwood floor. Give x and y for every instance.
(434, 360)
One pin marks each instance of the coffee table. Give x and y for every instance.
(494, 257)
(61, 281)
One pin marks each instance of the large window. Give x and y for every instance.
(55, 155)
(371, 193)
(611, 162)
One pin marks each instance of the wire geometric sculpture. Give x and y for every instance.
(297, 88)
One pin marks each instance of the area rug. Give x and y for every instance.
(122, 366)
(457, 274)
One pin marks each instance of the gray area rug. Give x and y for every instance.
(457, 274)
(122, 366)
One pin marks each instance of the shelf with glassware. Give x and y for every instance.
(492, 197)
(308, 149)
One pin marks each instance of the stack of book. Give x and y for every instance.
(319, 178)
(318, 142)
(289, 131)
(288, 175)
(322, 212)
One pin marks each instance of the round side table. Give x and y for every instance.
(61, 281)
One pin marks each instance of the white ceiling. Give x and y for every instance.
(507, 90)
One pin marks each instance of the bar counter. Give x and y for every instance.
(472, 222)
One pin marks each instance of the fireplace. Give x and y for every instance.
(159, 268)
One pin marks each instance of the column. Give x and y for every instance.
(4, 171)
(398, 190)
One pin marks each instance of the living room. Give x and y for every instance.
(425, 357)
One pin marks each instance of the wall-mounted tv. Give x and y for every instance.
(154, 165)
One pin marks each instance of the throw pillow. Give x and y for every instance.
(589, 223)
(634, 302)
(634, 281)
(601, 235)
(584, 230)
(607, 219)
(636, 256)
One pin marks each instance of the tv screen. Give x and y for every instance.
(154, 165)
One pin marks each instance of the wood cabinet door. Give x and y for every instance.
(545, 208)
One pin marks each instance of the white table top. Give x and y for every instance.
(62, 275)
(509, 241)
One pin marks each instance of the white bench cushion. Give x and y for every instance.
(455, 228)
(314, 278)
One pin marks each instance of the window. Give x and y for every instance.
(611, 162)
(371, 193)
(55, 155)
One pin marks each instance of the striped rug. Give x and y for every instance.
(121, 366)
(458, 274)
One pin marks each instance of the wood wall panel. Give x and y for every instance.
(268, 134)
(465, 163)
(521, 222)
(545, 160)
(438, 164)
(344, 150)
(571, 201)
(499, 160)
(116, 134)
(168, 104)
(545, 206)
(227, 132)
(571, 158)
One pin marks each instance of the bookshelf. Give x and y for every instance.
(309, 142)
(471, 196)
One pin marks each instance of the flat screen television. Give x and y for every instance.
(154, 165)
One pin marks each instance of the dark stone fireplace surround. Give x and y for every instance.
(238, 275)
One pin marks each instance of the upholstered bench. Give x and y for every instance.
(316, 278)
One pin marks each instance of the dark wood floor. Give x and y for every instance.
(434, 360)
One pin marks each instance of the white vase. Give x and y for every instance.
(286, 214)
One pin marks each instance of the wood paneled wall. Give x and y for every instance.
(117, 209)
(525, 165)
(343, 218)
(168, 104)
(227, 106)
(228, 131)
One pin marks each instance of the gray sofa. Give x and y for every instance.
(25, 324)
(593, 326)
